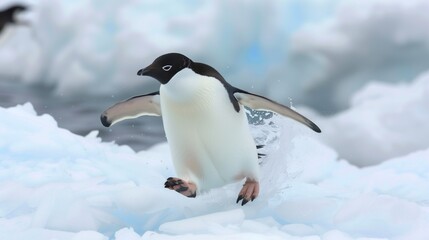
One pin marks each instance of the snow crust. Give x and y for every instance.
(58, 185)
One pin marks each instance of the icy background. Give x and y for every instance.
(79, 57)
(316, 52)
(358, 68)
(58, 185)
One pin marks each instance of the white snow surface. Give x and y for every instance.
(58, 185)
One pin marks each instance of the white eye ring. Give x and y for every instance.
(167, 68)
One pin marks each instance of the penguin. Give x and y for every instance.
(8, 15)
(205, 124)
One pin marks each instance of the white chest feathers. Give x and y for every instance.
(210, 141)
(187, 87)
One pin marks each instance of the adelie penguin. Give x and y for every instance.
(205, 124)
(8, 15)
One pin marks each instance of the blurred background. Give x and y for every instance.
(73, 59)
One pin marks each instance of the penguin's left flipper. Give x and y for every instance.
(262, 103)
(143, 105)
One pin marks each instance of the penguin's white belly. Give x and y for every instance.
(210, 142)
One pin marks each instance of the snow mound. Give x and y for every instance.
(363, 41)
(384, 121)
(57, 185)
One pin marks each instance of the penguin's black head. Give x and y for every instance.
(18, 8)
(166, 66)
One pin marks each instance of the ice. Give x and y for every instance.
(387, 120)
(89, 235)
(361, 42)
(127, 234)
(281, 49)
(202, 223)
(59, 185)
(372, 214)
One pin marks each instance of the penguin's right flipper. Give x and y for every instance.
(262, 103)
(143, 105)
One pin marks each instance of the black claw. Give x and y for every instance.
(253, 198)
(239, 198)
(171, 183)
(244, 202)
(182, 189)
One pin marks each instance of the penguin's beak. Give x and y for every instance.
(144, 71)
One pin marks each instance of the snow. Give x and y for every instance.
(363, 41)
(201, 223)
(58, 185)
(81, 47)
(387, 120)
(296, 48)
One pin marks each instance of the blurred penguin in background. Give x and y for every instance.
(8, 16)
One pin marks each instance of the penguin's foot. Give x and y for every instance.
(249, 192)
(185, 188)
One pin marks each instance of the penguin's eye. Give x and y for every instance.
(166, 68)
